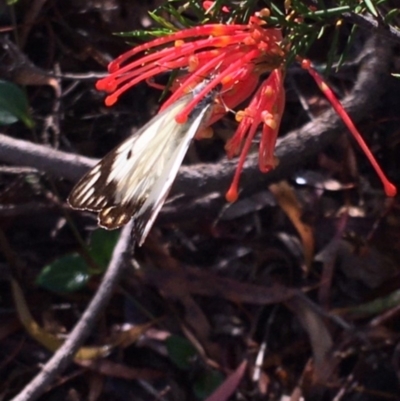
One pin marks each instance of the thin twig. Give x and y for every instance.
(372, 24)
(65, 354)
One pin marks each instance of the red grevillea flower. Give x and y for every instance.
(231, 56)
(234, 56)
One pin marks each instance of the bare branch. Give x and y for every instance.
(65, 354)
(202, 179)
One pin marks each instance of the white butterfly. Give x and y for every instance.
(133, 180)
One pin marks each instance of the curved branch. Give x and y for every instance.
(199, 180)
(372, 24)
(81, 331)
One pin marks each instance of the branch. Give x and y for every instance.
(372, 24)
(202, 179)
(65, 354)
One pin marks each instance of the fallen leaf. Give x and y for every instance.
(228, 387)
(48, 340)
(208, 284)
(113, 369)
(287, 200)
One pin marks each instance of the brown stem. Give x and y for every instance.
(65, 354)
(203, 179)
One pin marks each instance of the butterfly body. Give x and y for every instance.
(134, 179)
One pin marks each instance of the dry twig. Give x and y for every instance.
(65, 354)
(201, 180)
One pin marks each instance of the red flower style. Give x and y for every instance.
(265, 108)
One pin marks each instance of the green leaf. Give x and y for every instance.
(180, 351)
(162, 21)
(173, 12)
(11, 2)
(375, 307)
(13, 105)
(101, 247)
(333, 50)
(322, 15)
(358, 9)
(371, 7)
(66, 274)
(349, 43)
(143, 34)
(277, 11)
(71, 272)
(207, 383)
(321, 32)
(391, 15)
(7, 118)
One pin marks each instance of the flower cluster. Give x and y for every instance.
(233, 57)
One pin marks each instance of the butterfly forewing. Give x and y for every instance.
(134, 179)
(148, 212)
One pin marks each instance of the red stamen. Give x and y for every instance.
(145, 60)
(164, 57)
(204, 30)
(232, 147)
(232, 193)
(120, 79)
(271, 121)
(111, 99)
(102, 84)
(266, 149)
(155, 85)
(235, 93)
(169, 54)
(389, 188)
(218, 79)
(180, 62)
(193, 78)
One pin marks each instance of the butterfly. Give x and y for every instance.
(134, 179)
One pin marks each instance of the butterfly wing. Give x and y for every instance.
(134, 179)
(159, 192)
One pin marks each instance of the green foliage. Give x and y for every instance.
(66, 274)
(303, 23)
(391, 15)
(14, 105)
(145, 35)
(102, 244)
(206, 383)
(371, 7)
(375, 307)
(309, 17)
(181, 351)
(71, 272)
(183, 354)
